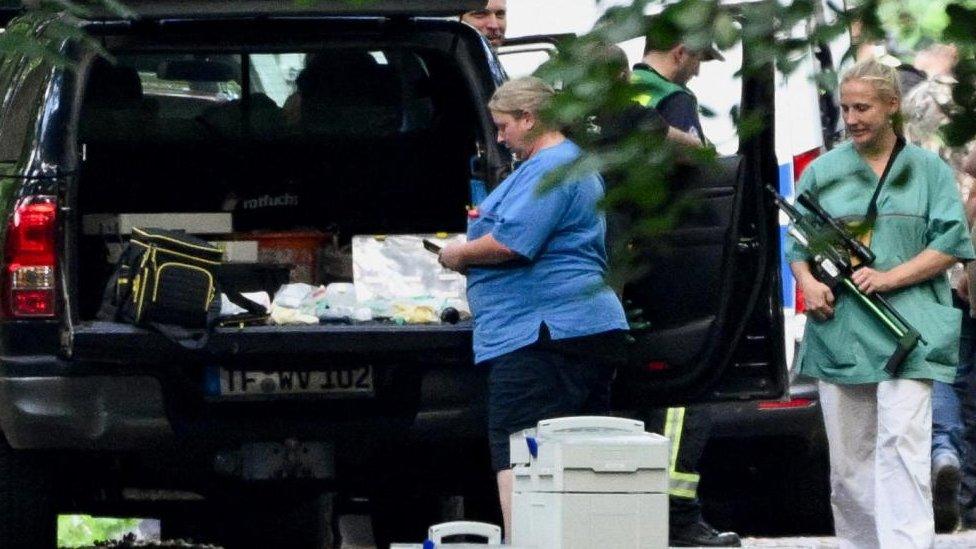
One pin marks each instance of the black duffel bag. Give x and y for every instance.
(169, 281)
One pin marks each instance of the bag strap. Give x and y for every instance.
(191, 340)
(238, 299)
(872, 214)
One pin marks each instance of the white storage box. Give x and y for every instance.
(585, 482)
(590, 520)
(437, 533)
(238, 251)
(192, 223)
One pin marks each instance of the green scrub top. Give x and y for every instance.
(919, 207)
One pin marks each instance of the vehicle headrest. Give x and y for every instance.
(196, 70)
(111, 85)
(347, 77)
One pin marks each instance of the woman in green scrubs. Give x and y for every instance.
(879, 428)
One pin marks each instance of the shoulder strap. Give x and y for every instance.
(191, 340)
(872, 214)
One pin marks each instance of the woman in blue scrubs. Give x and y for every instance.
(545, 322)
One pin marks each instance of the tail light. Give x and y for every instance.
(30, 257)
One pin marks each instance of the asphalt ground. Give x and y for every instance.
(958, 540)
(354, 526)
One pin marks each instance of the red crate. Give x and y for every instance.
(300, 249)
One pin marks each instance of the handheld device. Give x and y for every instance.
(431, 247)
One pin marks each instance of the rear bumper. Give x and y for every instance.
(91, 412)
(799, 416)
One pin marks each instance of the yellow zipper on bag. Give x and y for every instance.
(173, 240)
(139, 284)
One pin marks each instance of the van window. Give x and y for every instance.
(23, 99)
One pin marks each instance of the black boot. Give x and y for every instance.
(946, 476)
(701, 534)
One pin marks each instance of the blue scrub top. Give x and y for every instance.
(559, 278)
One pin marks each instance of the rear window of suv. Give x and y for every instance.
(331, 92)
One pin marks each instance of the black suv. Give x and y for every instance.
(385, 134)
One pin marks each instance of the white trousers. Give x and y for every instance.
(880, 437)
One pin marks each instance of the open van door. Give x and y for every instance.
(711, 293)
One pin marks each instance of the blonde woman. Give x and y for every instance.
(879, 428)
(545, 323)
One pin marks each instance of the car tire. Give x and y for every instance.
(28, 513)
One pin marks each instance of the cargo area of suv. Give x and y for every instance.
(366, 140)
(305, 124)
(385, 149)
(372, 135)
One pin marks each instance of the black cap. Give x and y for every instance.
(662, 34)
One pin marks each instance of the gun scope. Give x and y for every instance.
(855, 246)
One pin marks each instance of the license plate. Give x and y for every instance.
(356, 381)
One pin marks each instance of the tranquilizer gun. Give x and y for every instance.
(835, 254)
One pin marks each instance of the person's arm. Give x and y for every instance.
(946, 232)
(679, 110)
(683, 138)
(482, 251)
(521, 229)
(651, 122)
(971, 208)
(927, 264)
(817, 296)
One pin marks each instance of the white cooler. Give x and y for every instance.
(584, 482)
(437, 533)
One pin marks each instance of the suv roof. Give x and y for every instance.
(150, 9)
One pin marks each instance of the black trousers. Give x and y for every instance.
(689, 429)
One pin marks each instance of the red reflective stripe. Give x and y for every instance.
(32, 302)
(656, 366)
(785, 404)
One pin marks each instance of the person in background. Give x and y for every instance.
(662, 80)
(613, 126)
(607, 130)
(926, 109)
(879, 427)
(663, 77)
(869, 47)
(546, 325)
(490, 21)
